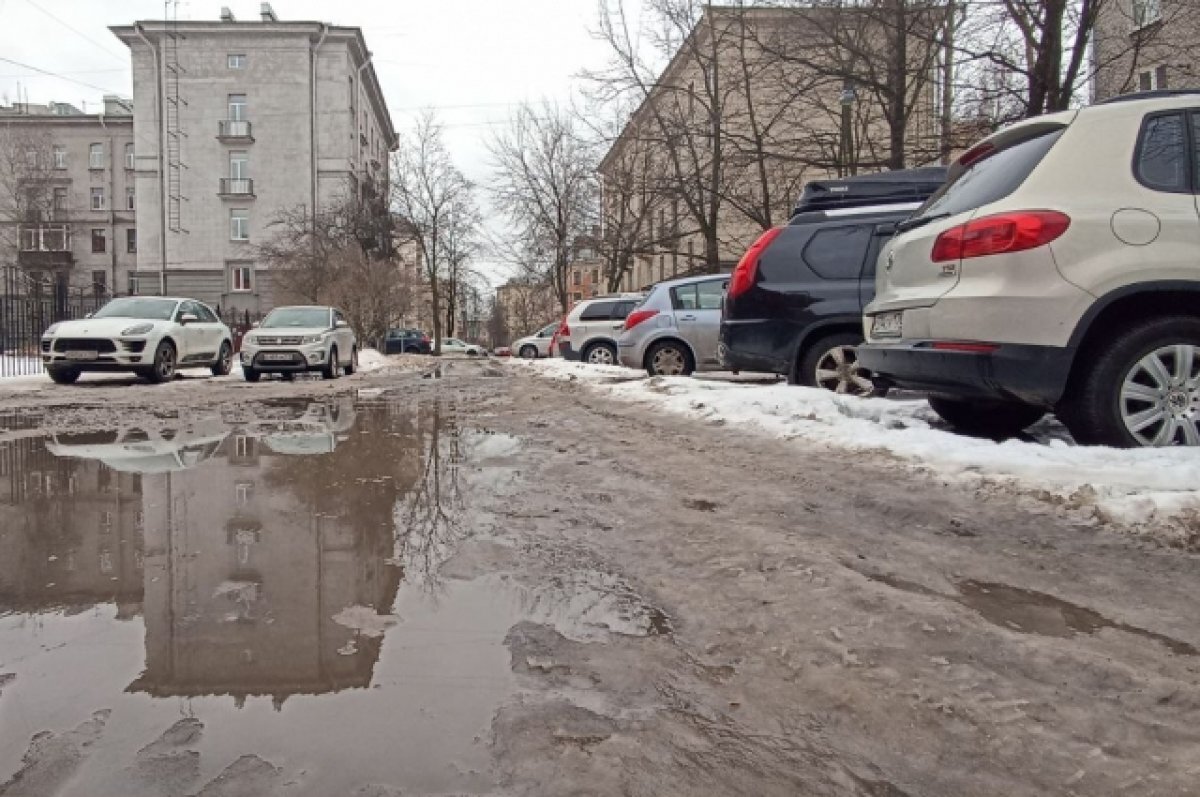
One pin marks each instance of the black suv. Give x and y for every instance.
(406, 341)
(794, 304)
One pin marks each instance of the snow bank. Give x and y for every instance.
(1155, 490)
(371, 360)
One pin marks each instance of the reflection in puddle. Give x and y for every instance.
(264, 580)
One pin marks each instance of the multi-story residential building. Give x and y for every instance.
(754, 103)
(70, 215)
(236, 123)
(1142, 45)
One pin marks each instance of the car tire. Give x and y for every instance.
(63, 376)
(331, 369)
(165, 359)
(830, 363)
(993, 419)
(1137, 379)
(250, 374)
(669, 358)
(352, 366)
(600, 354)
(224, 363)
(528, 352)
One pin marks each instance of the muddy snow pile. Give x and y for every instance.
(1153, 490)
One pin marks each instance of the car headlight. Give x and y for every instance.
(137, 329)
(250, 339)
(51, 330)
(312, 338)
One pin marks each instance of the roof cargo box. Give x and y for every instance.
(906, 185)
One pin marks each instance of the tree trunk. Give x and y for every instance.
(435, 301)
(897, 115)
(946, 145)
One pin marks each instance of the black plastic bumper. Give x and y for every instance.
(567, 351)
(1031, 374)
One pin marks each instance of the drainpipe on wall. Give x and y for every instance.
(112, 198)
(312, 60)
(162, 176)
(358, 108)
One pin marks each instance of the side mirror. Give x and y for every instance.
(188, 318)
(342, 324)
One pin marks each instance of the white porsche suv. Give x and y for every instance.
(152, 336)
(299, 339)
(1057, 270)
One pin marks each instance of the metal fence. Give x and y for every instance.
(27, 308)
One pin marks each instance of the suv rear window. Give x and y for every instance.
(598, 311)
(1162, 160)
(837, 253)
(992, 178)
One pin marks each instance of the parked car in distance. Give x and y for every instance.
(456, 346)
(150, 336)
(590, 330)
(1058, 270)
(674, 330)
(532, 347)
(795, 301)
(294, 340)
(406, 341)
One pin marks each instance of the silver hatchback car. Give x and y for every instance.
(674, 331)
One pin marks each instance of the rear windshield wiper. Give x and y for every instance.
(919, 221)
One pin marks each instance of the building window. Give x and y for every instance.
(241, 279)
(60, 200)
(243, 492)
(130, 199)
(595, 275)
(237, 107)
(577, 278)
(60, 157)
(134, 284)
(100, 282)
(239, 165)
(239, 224)
(96, 156)
(236, 60)
(1146, 12)
(129, 156)
(98, 198)
(1153, 79)
(99, 244)
(131, 240)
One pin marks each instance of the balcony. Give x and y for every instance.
(234, 130)
(45, 238)
(235, 187)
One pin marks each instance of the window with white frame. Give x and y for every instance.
(60, 156)
(241, 278)
(96, 156)
(239, 165)
(239, 224)
(129, 156)
(98, 198)
(1146, 12)
(236, 60)
(131, 240)
(130, 199)
(243, 492)
(237, 107)
(1153, 79)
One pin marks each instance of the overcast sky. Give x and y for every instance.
(473, 60)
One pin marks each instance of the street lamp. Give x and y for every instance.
(847, 98)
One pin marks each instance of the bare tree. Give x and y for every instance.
(342, 257)
(545, 184)
(26, 189)
(427, 188)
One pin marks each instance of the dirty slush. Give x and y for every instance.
(465, 580)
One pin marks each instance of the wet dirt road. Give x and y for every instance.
(464, 580)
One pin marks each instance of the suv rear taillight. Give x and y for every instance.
(564, 331)
(637, 317)
(747, 268)
(1000, 234)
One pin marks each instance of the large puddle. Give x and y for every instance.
(252, 608)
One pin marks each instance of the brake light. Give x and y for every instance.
(974, 348)
(564, 331)
(977, 153)
(637, 317)
(747, 268)
(1000, 234)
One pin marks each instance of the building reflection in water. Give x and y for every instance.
(239, 547)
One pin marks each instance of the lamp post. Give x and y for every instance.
(847, 98)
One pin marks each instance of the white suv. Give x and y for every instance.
(298, 339)
(1057, 270)
(590, 330)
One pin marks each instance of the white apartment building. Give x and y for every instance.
(235, 122)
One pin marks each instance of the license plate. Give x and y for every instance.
(278, 357)
(887, 325)
(82, 354)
